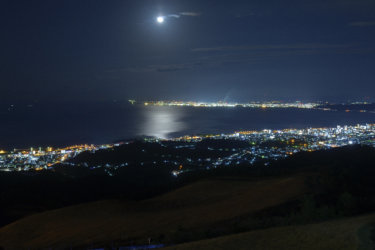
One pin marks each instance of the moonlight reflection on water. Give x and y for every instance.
(100, 124)
(161, 122)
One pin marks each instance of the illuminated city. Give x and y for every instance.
(325, 106)
(273, 104)
(42, 158)
(263, 146)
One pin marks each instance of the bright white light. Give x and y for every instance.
(161, 122)
(160, 19)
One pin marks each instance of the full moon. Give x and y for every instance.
(160, 19)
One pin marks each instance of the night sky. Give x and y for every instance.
(93, 50)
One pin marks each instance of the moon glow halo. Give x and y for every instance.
(160, 19)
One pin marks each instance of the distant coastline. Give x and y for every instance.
(64, 125)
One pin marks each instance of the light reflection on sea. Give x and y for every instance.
(59, 125)
(162, 121)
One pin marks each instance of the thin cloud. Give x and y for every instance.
(244, 15)
(270, 47)
(172, 67)
(253, 54)
(158, 68)
(173, 15)
(362, 24)
(190, 13)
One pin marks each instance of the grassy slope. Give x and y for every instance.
(344, 234)
(196, 206)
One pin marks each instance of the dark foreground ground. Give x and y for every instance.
(318, 200)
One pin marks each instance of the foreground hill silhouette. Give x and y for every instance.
(344, 234)
(328, 197)
(198, 207)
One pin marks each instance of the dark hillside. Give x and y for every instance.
(306, 188)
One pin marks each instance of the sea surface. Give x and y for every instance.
(24, 126)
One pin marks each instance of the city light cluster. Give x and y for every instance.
(42, 158)
(256, 147)
(273, 104)
(269, 145)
